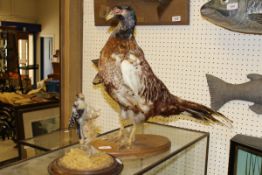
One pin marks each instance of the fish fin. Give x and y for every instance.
(256, 17)
(217, 90)
(256, 108)
(98, 79)
(254, 76)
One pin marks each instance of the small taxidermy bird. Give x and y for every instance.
(83, 116)
(130, 81)
(79, 113)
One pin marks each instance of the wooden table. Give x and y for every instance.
(13, 117)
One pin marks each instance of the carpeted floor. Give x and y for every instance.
(7, 150)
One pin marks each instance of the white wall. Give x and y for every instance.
(181, 56)
(44, 12)
(18, 10)
(48, 17)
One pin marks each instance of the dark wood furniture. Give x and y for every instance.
(12, 116)
(250, 145)
(11, 33)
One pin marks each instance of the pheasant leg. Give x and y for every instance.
(121, 129)
(121, 136)
(132, 135)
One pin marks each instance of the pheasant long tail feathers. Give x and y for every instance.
(204, 113)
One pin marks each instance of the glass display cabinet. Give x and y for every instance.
(188, 154)
(44, 143)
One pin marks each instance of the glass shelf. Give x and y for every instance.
(53, 140)
(48, 142)
(188, 153)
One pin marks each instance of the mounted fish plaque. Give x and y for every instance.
(235, 15)
(149, 12)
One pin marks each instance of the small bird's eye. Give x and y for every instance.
(224, 1)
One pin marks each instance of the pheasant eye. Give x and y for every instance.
(117, 11)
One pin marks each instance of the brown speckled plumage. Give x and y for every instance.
(141, 92)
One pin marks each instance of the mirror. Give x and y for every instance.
(29, 61)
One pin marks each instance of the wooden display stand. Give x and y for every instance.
(144, 145)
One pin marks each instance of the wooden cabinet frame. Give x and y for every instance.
(71, 45)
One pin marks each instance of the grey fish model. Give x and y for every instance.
(243, 16)
(221, 92)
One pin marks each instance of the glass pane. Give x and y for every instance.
(190, 161)
(54, 140)
(181, 140)
(23, 55)
(31, 55)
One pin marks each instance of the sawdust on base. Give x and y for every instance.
(77, 159)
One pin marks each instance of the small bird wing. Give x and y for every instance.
(73, 117)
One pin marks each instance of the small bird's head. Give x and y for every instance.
(80, 96)
(126, 18)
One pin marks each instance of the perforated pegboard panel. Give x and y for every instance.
(181, 56)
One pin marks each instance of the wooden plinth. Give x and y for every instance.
(55, 168)
(144, 145)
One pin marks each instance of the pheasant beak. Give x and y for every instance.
(114, 12)
(110, 15)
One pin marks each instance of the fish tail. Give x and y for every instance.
(206, 114)
(217, 91)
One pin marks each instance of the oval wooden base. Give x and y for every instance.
(144, 145)
(55, 168)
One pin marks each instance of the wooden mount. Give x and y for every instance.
(144, 145)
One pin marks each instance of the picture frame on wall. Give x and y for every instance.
(37, 119)
(245, 156)
(41, 122)
(148, 12)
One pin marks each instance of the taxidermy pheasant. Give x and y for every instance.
(130, 81)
